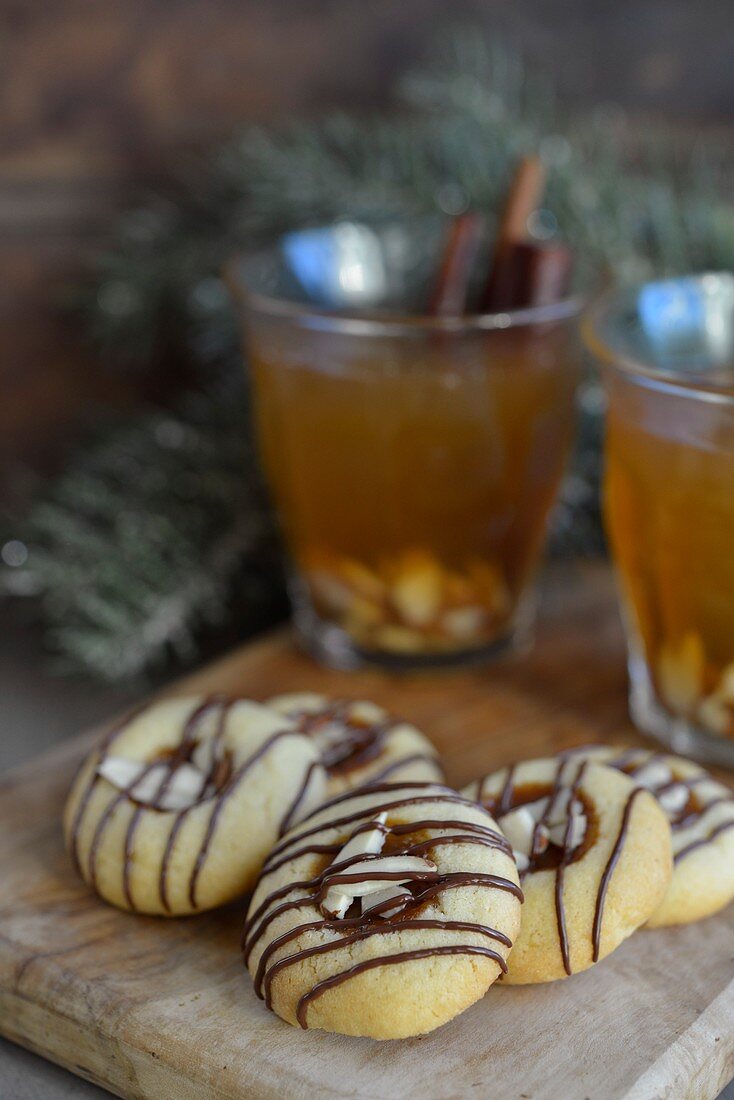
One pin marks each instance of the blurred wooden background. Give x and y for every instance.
(101, 96)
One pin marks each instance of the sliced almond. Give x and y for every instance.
(329, 735)
(407, 867)
(397, 894)
(655, 773)
(674, 799)
(457, 591)
(147, 788)
(518, 826)
(569, 834)
(464, 623)
(367, 841)
(294, 704)
(398, 639)
(120, 772)
(542, 840)
(680, 670)
(203, 755)
(708, 789)
(330, 595)
(559, 809)
(522, 862)
(726, 684)
(335, 904)
(417, 589)
(363, 582)
(715, 714)
(490, 586)
(183, 789)
(363, 615)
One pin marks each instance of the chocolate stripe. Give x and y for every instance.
(722, 827)
(403, 762)
(92, 783)
(337, 823)
(223, 798)
(187, 741)
(390, 960)
(560, 874)
(300, 795)
(264, 978)
(608, 871)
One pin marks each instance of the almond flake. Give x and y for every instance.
(653, 774)
(569, 833)
(674, 799)
(183, 789)
(522, 862)
(146, 789)
(518, 826)
(366, 841)
(120, 772)
(408, 867)
(397, 894)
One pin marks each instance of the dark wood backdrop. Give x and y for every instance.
(100, 95)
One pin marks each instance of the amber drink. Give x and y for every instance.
(413, 463)
(669, 502)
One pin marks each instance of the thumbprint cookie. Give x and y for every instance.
(385, 913)
(360, 743)
(177, 808)
(594, 855)
(700, 810)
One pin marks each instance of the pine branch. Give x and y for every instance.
(151, 533)
(158, 522)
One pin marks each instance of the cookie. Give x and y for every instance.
(385, 913)
(595, 860)
(700, 810)
(360, 743)
(176, 810)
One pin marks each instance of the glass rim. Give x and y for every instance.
(383, 322)
(614, 361)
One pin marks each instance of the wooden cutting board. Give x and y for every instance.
(163, 1009)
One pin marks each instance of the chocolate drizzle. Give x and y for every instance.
(505, 800)
(272, 863)
(105, 744)
(361, 743)
(298, 800)
(385, 960)
(632, 761)
(508, 799)
(219, 785)
(608, 872)
(560, 872)
(182, 753)
(722, 827)
(422, 888)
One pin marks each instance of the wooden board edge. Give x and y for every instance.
(694, 1068)
(124, 1070)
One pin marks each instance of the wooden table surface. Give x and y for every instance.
(570, 687)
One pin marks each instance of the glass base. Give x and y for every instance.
(334, 647)
(675, 732)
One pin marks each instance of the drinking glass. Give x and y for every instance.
(413, 460)
(667, 357)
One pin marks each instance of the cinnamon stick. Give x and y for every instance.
(509, 285)
(523, 198)
(450, 294)
(530, 274)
